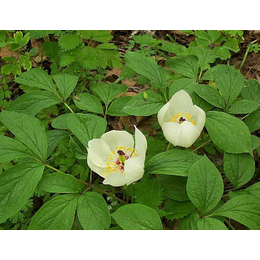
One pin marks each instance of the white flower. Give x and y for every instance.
(181, 121)
(114, 157)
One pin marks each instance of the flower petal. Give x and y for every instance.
(181, 102)
(134, 169)
(184, 134)
(116, 138)
(102, 171)
(98, 152)
(199, 117)
(116, 179)
(140, 142)
(164, 114)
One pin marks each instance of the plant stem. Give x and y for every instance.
(168, 147)
(68, 107)
(229, 225)
(246, 53)
(54, 169)
(201, 146)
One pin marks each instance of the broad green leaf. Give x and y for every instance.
(66, 83)
(173, 47)
(86, 127)
(149, 193)
(205, 185)
(33, 102)
(228, 132)
(66, 59)
(60, 122)
(189, 222)
(253, 121)
(230, 82)
(244, 209)
(96, 35)
(243, 107)
(17, 185)
(140, 106)
(183, 83)
(231, 44)
(239, 168)
(108, 92)
(51, 50)
(204, 55)
(88, 103)
(254, 189)
(147, 67)
(137, 217)
(93, 212)
(211, 224)
(69, 41)
(186, 66)
(78, 149)
(28, 130)
(37, 78)
(61, 183)
(211, 95)
(172, 162)
(255, 142)
(54, 137)
(115, 109)
(251, 91)
(56, 214)
(178, 209)
(11, 149)
(222, 52)
(91, 58)
(174, 187)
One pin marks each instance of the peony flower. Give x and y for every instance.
(114, 157)
(181, 121)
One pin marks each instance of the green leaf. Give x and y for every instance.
(183, 83)
(51, 50)
(149, 193)
(108, 92)
(253, 121)
(205, 185)
(11, 149)
(54, 138)
(60, 122)
(254, 189)
(178, 209)
(222, 127)
(189, 222)
(86, 127)
(244, 209)
(7, 69)
(88, 103)
(69, 41)
(174, 187)
(37, 78)
(66, 84)
(239, 168)
(91, 58)
(211, 224)
(204, 55)
(139, 106)
(230, 82)
(66, 59)
(93, 212)
(61, 183)
(243, 107)
(137, 217)
(115, 109)
(96, 35)
(186, 66)
(33, 102)
(28, 130)
(255, 142)
(251, 91)
(173, 47)
(231, 44)
(78, 149)
(222, 52)
(147, 67)
(211, 95)
(17, 185)
(172, 162)
(56, 214)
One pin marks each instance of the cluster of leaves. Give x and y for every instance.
(46, 131)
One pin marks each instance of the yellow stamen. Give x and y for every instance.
(184, 117)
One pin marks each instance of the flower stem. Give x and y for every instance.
(168, 147)
(68, 107)
(201, 146)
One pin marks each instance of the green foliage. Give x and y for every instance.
(137, 217)
(211, 224)
(93, 212)
(205, 186)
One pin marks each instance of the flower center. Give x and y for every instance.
(182, 117)
(116, 159)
